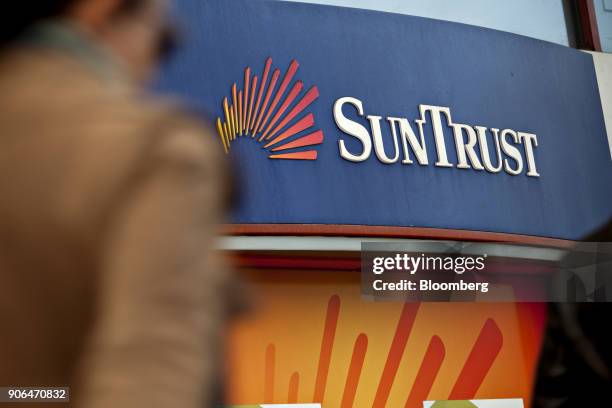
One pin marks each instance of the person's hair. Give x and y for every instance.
(22, 14)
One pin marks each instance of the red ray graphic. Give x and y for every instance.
(308, 140)
(310, 97)
(396, 352)
(233, 119)
(294, 383)
(481, 358)
(306, 155)
(269, 374)
(303, 124)
(327, 344)
(247, 83)
(430, 365)
(281, 90)
(251, 103)
(273, 82)
(354, 372)
(264, 81)
(297, 88)
(240, 117)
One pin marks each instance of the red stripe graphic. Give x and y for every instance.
(402, 332)
(281, 90)
(251, 103)
(430, 365)
(247, 83)
(294, 383)
(269, 374)
(264, 81)
(481, 358)
(307, 155)
(303, 124)
(310, 97)
(308, 140)
(297, 88)
(352, 378)
(275, 77)
(327, 344)
(241, 118)
(231, 123)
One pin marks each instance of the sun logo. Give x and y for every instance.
(266, 115)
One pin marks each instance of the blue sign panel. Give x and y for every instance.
(344, 116)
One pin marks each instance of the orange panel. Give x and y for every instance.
(353, 352)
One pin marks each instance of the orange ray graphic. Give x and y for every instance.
(308, 140)
(281, 90)
(352, 378)
(226, 128)
(294, 383)
(310, 97)
(235, 108)
(245, 103)
(227, 116)
(233, 120)
(240, 117)
(306, 155)
(269, 374)
(481, 358)
(303, 124)
(295, 91)
(221, 135)
(264, 81)
(327, 345)
(255, 79)
(273, 82)
(430, 365)
(396, 352)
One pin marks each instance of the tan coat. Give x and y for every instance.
(108, 206)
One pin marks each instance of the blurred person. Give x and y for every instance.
(108, 283)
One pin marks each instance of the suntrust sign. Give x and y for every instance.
(475, 145)
(379, 119)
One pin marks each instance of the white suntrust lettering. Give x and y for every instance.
(477, 147)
